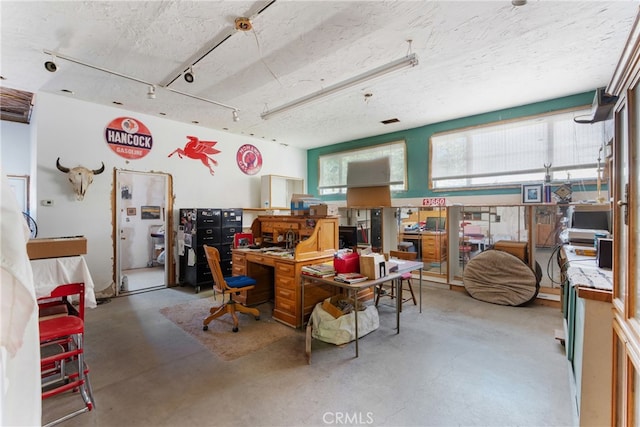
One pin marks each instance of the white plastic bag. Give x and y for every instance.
(343, 329)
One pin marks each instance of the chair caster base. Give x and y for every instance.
(235, 329)
(257, 317)
(205, 328)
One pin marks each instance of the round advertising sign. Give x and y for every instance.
(249, 159)
(128, 138)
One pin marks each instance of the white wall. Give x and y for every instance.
(74, 131)
(15, 148)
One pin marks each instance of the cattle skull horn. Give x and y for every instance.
(98, 171)
(79, 177)
(60, 167)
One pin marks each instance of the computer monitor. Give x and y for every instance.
(347, 236)
(435, 223)
(591, 219)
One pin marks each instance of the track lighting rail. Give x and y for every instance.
(152, 86)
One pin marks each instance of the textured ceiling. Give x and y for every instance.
(474, 57)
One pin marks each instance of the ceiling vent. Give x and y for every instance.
(601, 108)
(389, 121)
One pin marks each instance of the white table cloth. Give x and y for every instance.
(49, 273)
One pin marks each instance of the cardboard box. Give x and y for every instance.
(331, 309)
(56, 247)
(323, 210)
(300, 203)
(518, 249)
(373, 265)
(369, 197)
(338, 305)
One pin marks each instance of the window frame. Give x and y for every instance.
(342, 187)
(525, 174)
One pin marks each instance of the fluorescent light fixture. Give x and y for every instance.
(406, 62)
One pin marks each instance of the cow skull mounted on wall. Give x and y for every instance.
(79, 177)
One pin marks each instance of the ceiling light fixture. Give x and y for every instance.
(235, 116)
(51, 66)
(518, 2)
(399, 64)
(243, 24)
(188, 76)
(135, 79)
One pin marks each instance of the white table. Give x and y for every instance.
(404, 266)
(50, 273)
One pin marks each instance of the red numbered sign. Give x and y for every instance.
(434, 201)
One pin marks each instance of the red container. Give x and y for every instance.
(349, 263)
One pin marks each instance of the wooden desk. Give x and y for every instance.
(49, 273)
(353, 289)
(430, 245)
(279, 277)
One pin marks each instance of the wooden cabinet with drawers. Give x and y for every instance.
(434, 246)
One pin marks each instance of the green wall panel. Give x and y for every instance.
(418, 146)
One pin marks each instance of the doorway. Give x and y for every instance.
(142, 225)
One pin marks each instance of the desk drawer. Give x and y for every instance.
(260, 259)
(238, 270)
(431, 252)
(285, 294)
(284, 269)
(285, 281)
(285, 305)
(286, 226)
(239, 260)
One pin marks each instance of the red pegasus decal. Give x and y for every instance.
(199, 150)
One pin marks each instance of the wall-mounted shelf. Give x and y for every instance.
(276, 191)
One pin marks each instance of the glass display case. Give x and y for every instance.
(376, 228)
(424, 230)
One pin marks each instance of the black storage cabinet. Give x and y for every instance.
(212, 227)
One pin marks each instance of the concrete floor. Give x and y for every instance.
(459, 362)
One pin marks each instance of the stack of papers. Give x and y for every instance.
(318, 270)
(350, 278)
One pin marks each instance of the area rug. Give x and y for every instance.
(220, 339)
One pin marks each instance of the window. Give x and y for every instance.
(333, 167)
(516, 152)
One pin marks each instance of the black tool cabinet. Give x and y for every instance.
(211, 227)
